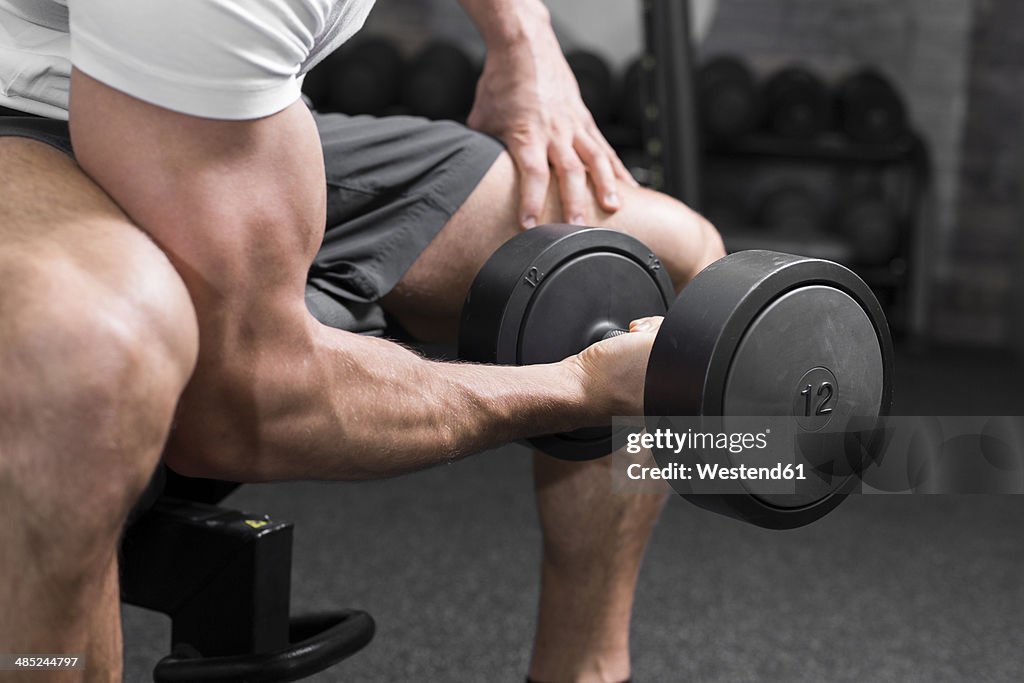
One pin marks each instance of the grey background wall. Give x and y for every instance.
(961, 64)
(984, 288)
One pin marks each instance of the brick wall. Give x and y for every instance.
(981, 290)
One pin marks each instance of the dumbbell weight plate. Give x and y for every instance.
(744, 340)
(440, 83)
(596, 83)
(797, 103)
(870, 107)
(727, 97)
(551, 292)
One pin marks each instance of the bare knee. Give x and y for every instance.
(429, 298)
(94, 364)
(712, 246)
(684, 240)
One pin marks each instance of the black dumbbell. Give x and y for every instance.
(633, 99)
(596, 83)
(870, 108)
(638, 162)
(797, 103)
(728, 98)
(757, 333)
(363, 77)
(440, 83)
(869, 223)
(792, 209)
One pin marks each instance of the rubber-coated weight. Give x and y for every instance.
(815, 336)
(744, 339)
(797, 103)
(596, 83)
(791, 209)
(871, 226)
(756, 334)
(440, 83)
(633, 101)
(728, 98)
(870, 108)
(363, 77)
(552, 291)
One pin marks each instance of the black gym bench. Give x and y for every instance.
(224, 578)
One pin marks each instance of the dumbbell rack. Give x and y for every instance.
(673, 146)
(905, 167)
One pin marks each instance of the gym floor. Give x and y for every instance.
(887, 588)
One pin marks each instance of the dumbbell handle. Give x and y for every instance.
(603, 332)
(613, 333)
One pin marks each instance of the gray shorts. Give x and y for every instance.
(392, 184)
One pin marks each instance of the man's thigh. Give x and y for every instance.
(97, 339)
(429, 297)
(51, 211)
(70, 254)
(392, 184)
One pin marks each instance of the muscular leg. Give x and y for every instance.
(428, 300)
(594, 542)
(97, 339)
(594, 539)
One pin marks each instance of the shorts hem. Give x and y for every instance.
(52, 132)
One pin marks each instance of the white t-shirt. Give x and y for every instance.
(222, 59)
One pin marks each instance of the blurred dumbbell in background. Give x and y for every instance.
(867, 220)
(797, 103)
(363, 77)
(632, 99)
(440, 83)
(791, 208)
(596, 81)
(622, 120)
(870, 108)
(727, 97)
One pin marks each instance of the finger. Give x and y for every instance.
(650, 324)
(621, 172)
(534, 177)
(572, 182)
(600, 168)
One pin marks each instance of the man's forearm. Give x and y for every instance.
(504, 23)
(378, 410)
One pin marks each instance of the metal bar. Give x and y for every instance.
(671, 115)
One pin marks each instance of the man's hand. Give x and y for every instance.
(529, 99)
(613, 371)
